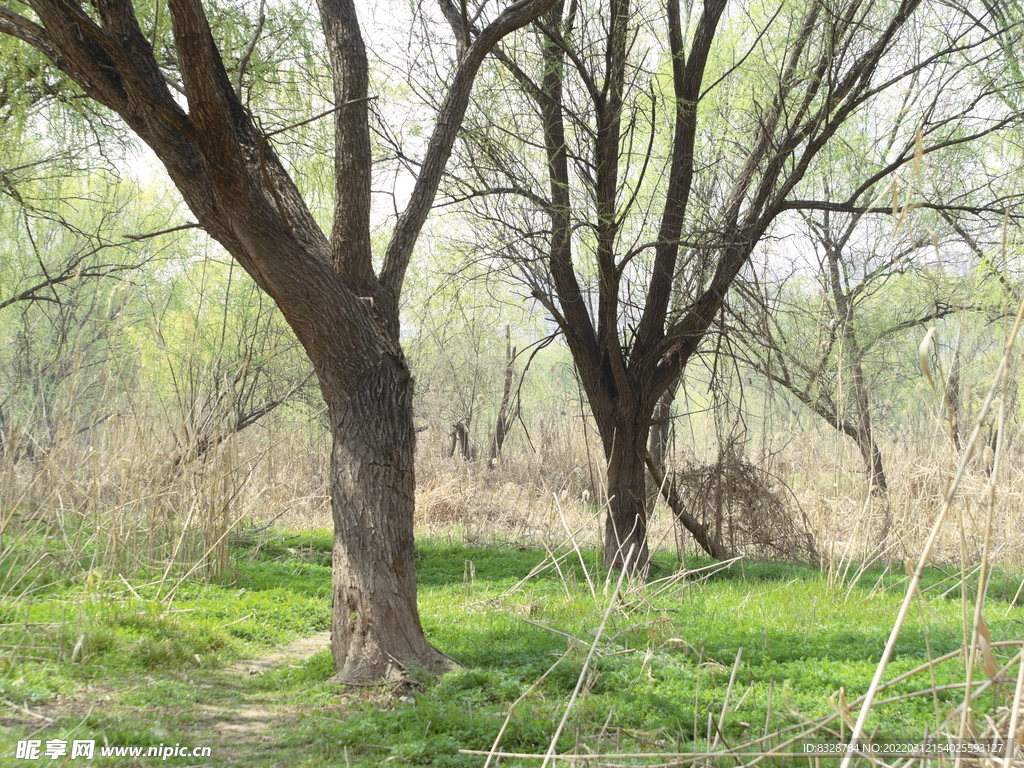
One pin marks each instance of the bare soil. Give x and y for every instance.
(242, 732)
(242, 726)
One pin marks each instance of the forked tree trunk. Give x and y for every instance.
(629, 461)
(376, 633)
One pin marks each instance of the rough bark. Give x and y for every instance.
(345, 317)
(626, 521)
(373, 487)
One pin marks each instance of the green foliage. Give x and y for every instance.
(663, 666)
(96, 627)
(215, 353)
(66, 297)
(44, 121)
(801, 643)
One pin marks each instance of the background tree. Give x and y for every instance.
(884, 258)
(343, 310)
(463, 335)
(66, 274)
(223, 358)
(646, 152)
(829, 342)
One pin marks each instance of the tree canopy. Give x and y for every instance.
(651, 151)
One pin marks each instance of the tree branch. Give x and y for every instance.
(687, 77)
(243, 63)
(826, 205)
(351, 250)
(403, 240)
(27, 31)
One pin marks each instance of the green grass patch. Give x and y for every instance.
(663, 665)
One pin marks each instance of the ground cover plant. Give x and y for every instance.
(135, 663)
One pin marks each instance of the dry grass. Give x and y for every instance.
(849, 522)
(533, 491)
(115, 502)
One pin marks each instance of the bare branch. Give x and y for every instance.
(399, 251)
(137, 238)
(243, 63)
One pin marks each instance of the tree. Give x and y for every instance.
(224, 359)
(668, 147)
(65, 272)
(829, 342)
(343, 311)
(879, 273)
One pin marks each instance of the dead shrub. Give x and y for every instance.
(740, 507)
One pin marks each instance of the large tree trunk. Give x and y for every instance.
(626, 522)
(376, 632)
(345, 315)
(629, 460)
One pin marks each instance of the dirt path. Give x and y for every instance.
(243, 723)
(245, 732)
(297, 650)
